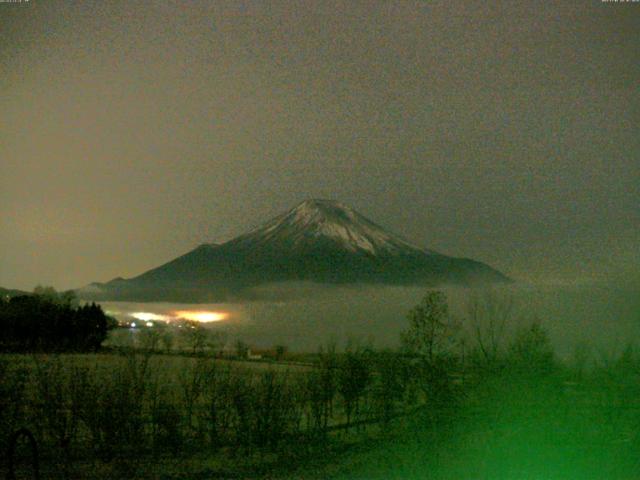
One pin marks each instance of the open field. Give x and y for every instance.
(134, 415)
(99, 412)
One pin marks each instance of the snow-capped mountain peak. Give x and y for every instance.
(328, 221)
(319, 241)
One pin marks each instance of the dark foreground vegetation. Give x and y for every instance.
(50, 321)
(459, 400)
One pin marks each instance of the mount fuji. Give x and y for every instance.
(319, 241)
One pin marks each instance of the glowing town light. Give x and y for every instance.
(148, 316)
(201, 316)
(133, 324)
(149, 324)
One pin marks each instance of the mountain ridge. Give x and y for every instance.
(318, 240)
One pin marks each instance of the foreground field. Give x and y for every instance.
(121, 414)
(176, 417)
(455, 401)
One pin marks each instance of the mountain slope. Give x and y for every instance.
(319, 241)
(12, 292)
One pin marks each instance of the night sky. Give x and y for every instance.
(130, 132)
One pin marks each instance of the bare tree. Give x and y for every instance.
(192, 381)
(431, 339)
(488, 314)
(392, 381)
(432, 330)
(61, 388)
(354, 375)
(167, 339)
(149, 338)
(195, 336)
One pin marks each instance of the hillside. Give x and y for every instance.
(318, 241)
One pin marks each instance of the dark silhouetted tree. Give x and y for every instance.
(431, 339)
(48, 321)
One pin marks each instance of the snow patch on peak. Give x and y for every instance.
(327, 220)
(318, 210)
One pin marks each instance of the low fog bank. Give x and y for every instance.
(604, 316)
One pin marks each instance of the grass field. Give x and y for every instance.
(178, 417)
(134, 411)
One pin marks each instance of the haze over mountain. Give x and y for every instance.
(319, 241)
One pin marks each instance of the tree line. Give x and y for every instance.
(50, 321)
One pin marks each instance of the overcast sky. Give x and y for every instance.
(132, 131)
